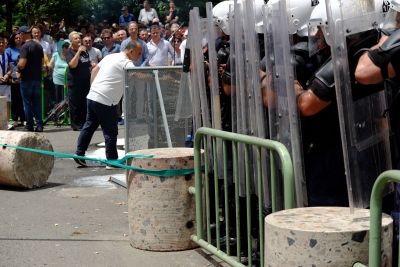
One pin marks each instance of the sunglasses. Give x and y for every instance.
(106, 38)
(87, 41)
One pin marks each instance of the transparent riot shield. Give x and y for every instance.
(365, 132)
(242, 115)
(253, 89)
(283, 110)
(215, 104)
(198, 42)
(193, 80)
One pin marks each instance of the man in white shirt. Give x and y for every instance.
(94, 53)
(105, 92)
(158, 48)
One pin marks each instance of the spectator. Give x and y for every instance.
(106, 24)
(37, 33)
(126, 17)
(175, 59)
(82, 30)
(183, 45)
(143, 60)
(168, 31)
(94, 53)
(17, 106)
(92, 30)
(121, 36)
(110, 46)
(158, 48)
(172, 15)
(98, 43)
(5, 74)
(29, 66)
(78, 80)
(105, 92)
(57, 64)
(144, 35)
(147, 14)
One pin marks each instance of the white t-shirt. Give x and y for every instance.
(108, 86)
(182, 47)
(46, 48)
(94, 55)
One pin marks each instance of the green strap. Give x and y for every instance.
(119, 162)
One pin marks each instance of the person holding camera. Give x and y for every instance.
(147, 14)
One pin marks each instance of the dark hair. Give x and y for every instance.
(155, 26)
(132, 45)
(11, 40)
(147, 1)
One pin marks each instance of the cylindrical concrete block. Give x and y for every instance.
(3, 113)
(162, 213)
(24, 168)
(322, 236)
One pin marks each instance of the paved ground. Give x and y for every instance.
(78, 218)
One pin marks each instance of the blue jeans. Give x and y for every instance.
(106, 116)
(31, 97)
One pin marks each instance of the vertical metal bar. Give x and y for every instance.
(226, 197)
(248, 204)
(65, 96)
(198, 185)
(216, 193)
(155, 126)
(236, 180)
(42, 94)
(163, 114)
(273, 181)
(207, 188)
(260, 205)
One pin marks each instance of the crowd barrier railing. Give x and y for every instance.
(378, 190)
(203, 193)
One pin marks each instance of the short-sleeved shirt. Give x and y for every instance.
(59, 69)
(5, 60)
(143, 61)
(174, 14)
(146, 17)
(14, 54)
(108, 86)
(33, 52)
(116, 48)
(158, 55)
(95, 55)
(125, 20)
(82, 69)
(46, 47)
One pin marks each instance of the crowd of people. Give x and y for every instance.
(70, 52)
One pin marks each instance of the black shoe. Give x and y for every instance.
(26, 129)
(111, 167)
(39, 129)
(81, 162)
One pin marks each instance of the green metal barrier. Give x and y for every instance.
(288, 175)
(374, 259)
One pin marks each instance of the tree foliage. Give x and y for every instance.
(27, 12)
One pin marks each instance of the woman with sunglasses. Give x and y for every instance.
(175, 59)
(17, 107)
(57, 65)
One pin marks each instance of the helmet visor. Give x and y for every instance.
(392, 20)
